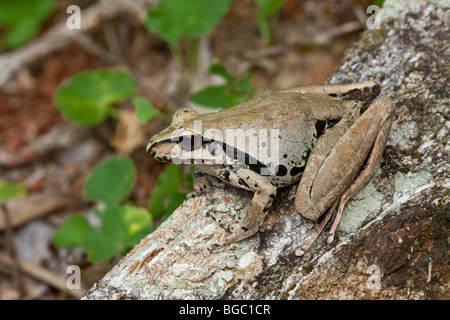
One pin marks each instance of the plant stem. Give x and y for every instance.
(193, 45)
(177, 53)
(12, 250)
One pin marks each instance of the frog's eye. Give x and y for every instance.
(183, 114)
(190, 141)
(215, 148)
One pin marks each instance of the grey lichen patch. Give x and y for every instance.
(362, 207)
(396, 8)
(218, 282)
(246, 260)
(411, 181)
(402, 135)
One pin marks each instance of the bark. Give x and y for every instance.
(393, 239)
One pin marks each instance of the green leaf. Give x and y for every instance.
(72, 232)
(112, 222)
(378, 3)
(87, 98)
(111, 181)
(232, 93)
(22, 19)
(137, 223)
(217, 97)
(188, 178)
(244, 87)
(268, 7)
(218, 69)
(224, 96)
(167, 185)
(121, 228)
(145, 110)
(176, 19)
(99, 246)
(266, 11)
(173, 203)
(10, 190)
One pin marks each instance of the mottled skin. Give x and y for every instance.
(321, 139)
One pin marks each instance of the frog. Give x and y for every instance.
(329, 138)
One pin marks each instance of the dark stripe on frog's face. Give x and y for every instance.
(238, 155)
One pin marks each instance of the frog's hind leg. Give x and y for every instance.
(361, 179)
(366, 173)
(317, 191)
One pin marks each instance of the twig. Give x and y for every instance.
(85, 42)
(317, 39)
(112, 41)
(360, 15)
(36, 206)
(335, 32)
(41, 274)
(12, 251)
(60, 35)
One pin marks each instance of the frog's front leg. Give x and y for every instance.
(201, 184)
(264, 191)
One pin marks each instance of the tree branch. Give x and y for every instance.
(393, 238)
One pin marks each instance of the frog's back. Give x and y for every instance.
(276, 131)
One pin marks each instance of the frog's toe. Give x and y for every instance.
(238, 233)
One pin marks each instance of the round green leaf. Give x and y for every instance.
(10, 190)
(145, 110)
(175, 19)
(99, 246)
(167, 185)
(87, 98)
(137, 224)
(111, 181)
(173, 203)
(112, 222)
(72, 232)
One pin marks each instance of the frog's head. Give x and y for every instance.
(176, 139)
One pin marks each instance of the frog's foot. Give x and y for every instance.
(237, 233)
(202, 187)
(224, 225)
(201, 184)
